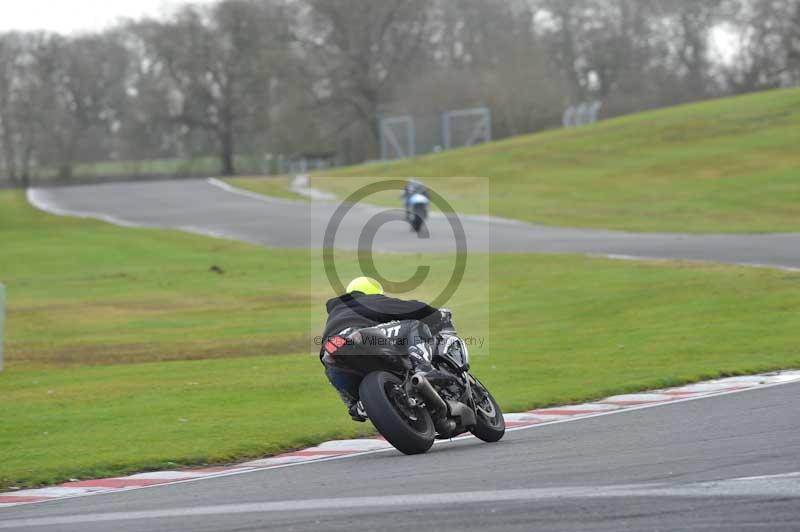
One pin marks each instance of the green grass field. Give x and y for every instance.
(86, 292)
(174, 167)
(722, 166)
(126, 351)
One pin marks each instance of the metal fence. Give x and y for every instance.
(582, 114)
(398, 137)
(403, 136)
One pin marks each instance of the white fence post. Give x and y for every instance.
(2, 318)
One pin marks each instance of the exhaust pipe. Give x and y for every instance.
(444, 426)
(424, 388)
(443, 409)
(463, 412)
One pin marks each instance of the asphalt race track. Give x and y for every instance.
(199, 206)
(680, 466)
(724, 463)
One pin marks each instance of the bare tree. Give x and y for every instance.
(486, 52)
(692, 21)
(768, 44)
(364, 48)
(220, 63)
(80, 93)
(251, 77)
(20, 112)
(10, 51)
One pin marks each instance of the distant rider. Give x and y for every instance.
(364, 305)
(413, 187)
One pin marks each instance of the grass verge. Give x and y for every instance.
(175, 167)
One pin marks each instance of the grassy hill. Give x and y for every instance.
(730, 165)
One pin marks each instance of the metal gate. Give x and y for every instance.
(408, 135)
(466, 127)
(397, 137)
(581, 115)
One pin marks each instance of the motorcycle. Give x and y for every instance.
(407, 408)
(417, 210)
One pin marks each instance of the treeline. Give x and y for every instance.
(257, 77)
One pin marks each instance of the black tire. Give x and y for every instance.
(418, 218)
(407, 436)
(488, 429)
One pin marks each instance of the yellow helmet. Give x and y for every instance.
(365, 285)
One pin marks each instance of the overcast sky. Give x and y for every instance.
(69, 16)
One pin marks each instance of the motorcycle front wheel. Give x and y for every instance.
(490, 426)
(409, 430)
(418, 216)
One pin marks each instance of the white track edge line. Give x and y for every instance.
(266, 198)
(376, 451)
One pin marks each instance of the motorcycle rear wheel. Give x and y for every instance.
(407, 435)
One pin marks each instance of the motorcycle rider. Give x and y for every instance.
(415, 193)
(365, 305)
(413, 186)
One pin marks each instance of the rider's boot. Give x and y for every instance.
(357, 412)
(421, 360)
(354, 407)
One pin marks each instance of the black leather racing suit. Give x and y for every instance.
(357, 311)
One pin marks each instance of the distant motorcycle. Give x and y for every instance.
(417, 210)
